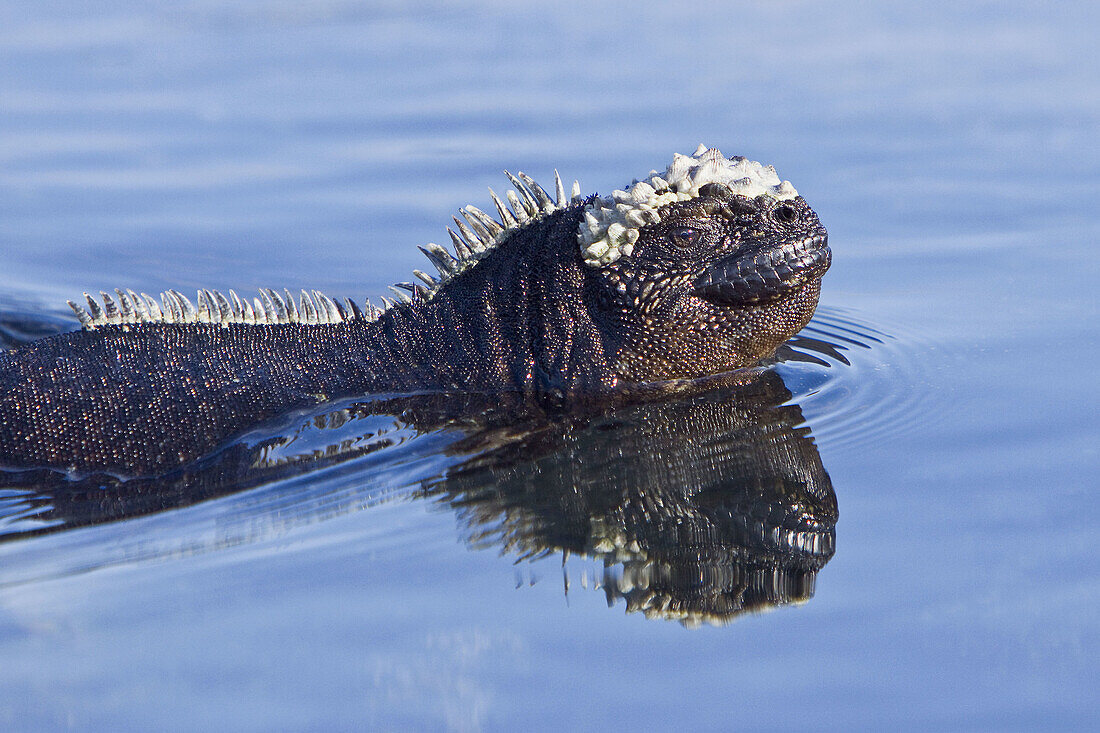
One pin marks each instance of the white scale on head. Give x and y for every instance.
(611, 223)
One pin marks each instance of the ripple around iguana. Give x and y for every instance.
(697, 272)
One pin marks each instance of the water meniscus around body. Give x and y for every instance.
(858, 380)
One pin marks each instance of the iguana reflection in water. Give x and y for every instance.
(699, 508)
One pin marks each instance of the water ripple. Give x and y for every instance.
(857, 383)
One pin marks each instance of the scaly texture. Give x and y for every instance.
(714, 280)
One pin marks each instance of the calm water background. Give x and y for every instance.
(951, 149)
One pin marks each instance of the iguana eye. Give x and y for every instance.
(684, 236)
(785, 214)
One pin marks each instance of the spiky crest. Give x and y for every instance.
(477, 235)
(131, 308)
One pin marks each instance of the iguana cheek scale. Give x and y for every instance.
(695, 272)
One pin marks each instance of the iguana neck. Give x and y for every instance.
(516, 321)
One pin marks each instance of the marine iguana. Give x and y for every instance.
(699, 271)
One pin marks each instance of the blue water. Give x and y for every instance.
(949, 148)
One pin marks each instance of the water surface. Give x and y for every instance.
(947, 387)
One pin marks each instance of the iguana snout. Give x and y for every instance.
(765, 274)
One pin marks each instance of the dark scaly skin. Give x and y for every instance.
(529, 317)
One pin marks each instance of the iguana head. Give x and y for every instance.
(704, 269)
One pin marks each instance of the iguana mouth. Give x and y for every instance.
(765, 275)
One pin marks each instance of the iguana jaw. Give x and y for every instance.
(765, 275)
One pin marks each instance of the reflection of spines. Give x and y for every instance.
(714, 595)
(697, 511)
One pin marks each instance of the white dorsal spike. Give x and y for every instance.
(352, 310)
(575, 193)
(212, 304)
(137, 308)
(506, 217)
(86, 321)
(110, 308)
(202, 307)
(492, 226)
(291, 307)
(461, 248)
(476, 243)
(519, 211)
(530, 205)
(281, 315)
(559, 190)
(167, 307)
(247, 314)
(225, 312)
(279, 305)
(203, 302)
(399, 295)
(213, 314)
(182, 313)
(186, 309)
(94, 311)
(319, 304)
(386, 303)
(258, 309)
(425, 278)
(140, 311)
(309, 311)
(483, 235)
(155, 313)
(328, 305)
(336, 313)
(333, 314)
(238, 307)
(268, 307)
(542, 198)
(171, 309)
(441, 258)
(124, 307)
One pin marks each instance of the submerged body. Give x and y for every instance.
(697, 272)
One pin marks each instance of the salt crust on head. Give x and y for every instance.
(611, 223)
